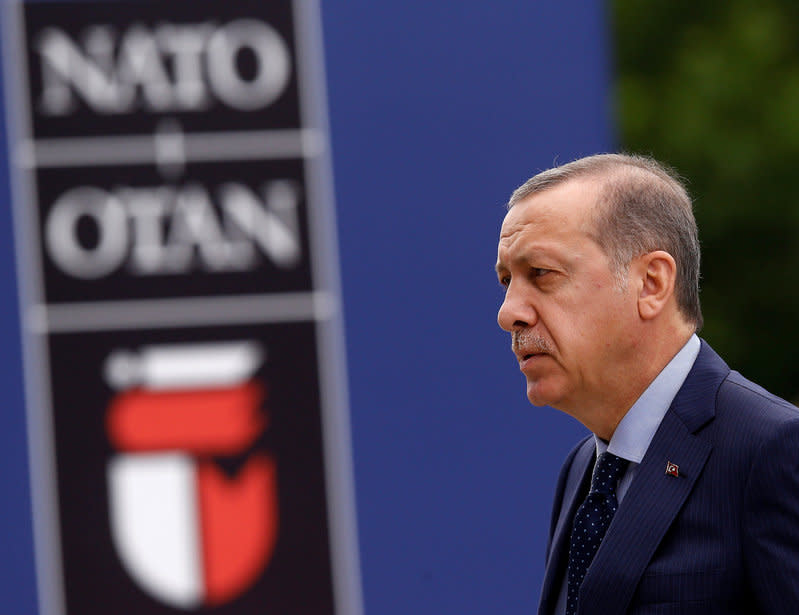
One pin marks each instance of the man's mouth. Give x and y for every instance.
(527, 345)
(529, 355)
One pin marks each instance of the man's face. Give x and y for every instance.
(570, 324)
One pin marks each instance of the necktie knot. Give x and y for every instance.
(607, 472)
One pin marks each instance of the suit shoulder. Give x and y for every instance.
(573, 453)
(752, 412)
(737, 391)
(563, 479)
(565, 469)
(584, 446)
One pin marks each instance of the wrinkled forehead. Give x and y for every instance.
(530, 211)
(570, 207)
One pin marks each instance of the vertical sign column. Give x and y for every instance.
(185, 383)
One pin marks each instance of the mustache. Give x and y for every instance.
(530, 342)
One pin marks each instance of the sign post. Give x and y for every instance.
(185, 381)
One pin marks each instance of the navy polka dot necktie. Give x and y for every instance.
(591, 522)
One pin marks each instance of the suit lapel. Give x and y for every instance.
(648, 509)
(654, 497)
(573, 494)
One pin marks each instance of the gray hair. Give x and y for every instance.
(643, 206)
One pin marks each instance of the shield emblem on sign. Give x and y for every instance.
(187, 530)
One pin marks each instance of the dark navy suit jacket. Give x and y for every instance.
(723, 536)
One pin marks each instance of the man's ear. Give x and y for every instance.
(658, 272)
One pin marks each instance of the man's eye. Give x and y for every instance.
(504, 281)
(539, 271)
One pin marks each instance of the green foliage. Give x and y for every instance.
(712, 89)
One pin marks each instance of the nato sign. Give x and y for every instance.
(184, 367)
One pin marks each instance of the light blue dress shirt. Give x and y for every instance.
(636, 430)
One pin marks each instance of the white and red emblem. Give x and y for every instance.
(189, 534)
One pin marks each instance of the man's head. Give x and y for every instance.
(643, 206)
(600, 261)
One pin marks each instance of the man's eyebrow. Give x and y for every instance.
(529, 253)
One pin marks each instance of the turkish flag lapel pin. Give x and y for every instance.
(672, 469)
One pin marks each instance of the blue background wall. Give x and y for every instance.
(437, 110)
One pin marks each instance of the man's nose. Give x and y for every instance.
(516, 312)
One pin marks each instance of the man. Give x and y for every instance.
(686, 498)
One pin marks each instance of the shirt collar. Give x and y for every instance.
(638, 427)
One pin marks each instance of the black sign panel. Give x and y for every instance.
(181, 308)
(255, 445)
(118, 68)
(221, 228)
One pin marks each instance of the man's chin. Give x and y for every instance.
(537, 399)
(539, 394)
